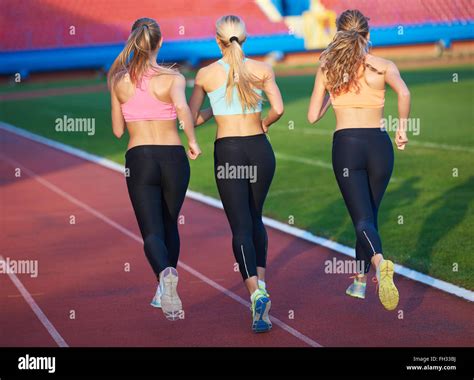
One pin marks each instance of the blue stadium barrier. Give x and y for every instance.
(194, 51)
(291, 7)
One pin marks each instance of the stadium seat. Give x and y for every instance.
(30, 24)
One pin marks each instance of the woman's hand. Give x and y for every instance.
(194, 150)
(394, 80)
(264, 126)
(401, 139)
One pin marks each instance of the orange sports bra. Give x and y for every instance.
(365, 97)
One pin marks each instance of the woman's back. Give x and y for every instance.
(363, 107)
(148, 109)
(213, 79)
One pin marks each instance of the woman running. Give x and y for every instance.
(146, 98)
(244, 162)
(362, 153)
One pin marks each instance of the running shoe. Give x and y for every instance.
(261, 305)
(357, 288)
(388, 292)
(262, 286)
(156, 301)
(170, 301)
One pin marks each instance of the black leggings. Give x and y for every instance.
(362, 160)
(244, 168)
(157, 179)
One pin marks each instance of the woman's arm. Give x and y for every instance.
(197, 98)
(178, 97)
(204, 115)
(271, 90)
(320, 100)
(118, 123)
(395, 81)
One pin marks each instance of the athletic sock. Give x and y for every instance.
(377, 271)
(262, 285)
(254, 294)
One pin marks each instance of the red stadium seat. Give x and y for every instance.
(30, 24)
(396, 12)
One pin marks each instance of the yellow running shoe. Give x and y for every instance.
(388, 292)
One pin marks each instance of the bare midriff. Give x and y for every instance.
(153, 132)
(238, 125)
(358, 117)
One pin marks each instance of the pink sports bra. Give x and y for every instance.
(143, 106)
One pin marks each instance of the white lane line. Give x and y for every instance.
(302, 160)
(310, 161)
(138, 239)
(431, 145)
(276, 321)
(413, 141)
(294, 231)
(34, 306)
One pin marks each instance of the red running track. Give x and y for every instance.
(82, 269)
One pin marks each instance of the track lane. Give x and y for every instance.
(304, 297)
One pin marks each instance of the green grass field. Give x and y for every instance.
(436, 236)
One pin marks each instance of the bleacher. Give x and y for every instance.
(385, 13)
(50, 35)
(29, 24)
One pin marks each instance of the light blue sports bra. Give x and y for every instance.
(219, 103)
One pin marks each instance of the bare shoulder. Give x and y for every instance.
(177, 78)
(261, 69)
(209, 69)
(123, 85)
(167, 78)
(381, 64)
(206, 72)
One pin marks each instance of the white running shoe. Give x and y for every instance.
(156, 301)
(170, 301)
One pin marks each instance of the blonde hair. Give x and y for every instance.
(231, 33)
(346, 53)
(134, 59)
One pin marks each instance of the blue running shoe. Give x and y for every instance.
(261, 305)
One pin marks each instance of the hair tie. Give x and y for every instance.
(233, 38)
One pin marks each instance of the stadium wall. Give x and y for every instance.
(194, 51)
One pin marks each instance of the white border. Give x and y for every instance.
(294, 231)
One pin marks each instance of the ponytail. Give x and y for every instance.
(134, 59)
(346, 53)
(342, 59)
(241, 78)
(231, 33)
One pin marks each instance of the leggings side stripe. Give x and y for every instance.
(245, 264)
(369, 242)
